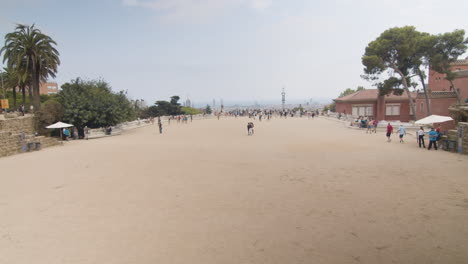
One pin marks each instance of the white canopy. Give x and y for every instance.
(433, 119)
(59, 125)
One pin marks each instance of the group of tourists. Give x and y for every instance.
(434, 137)
(270, 113)
(401, 132)
(433, 134)
(365, 123)
(179, 119)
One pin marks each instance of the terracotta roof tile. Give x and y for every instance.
(372, 95)
(369, 94)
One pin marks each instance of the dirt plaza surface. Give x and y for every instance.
(297, 191)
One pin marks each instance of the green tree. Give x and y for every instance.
(187, 110)
(175, 106)
(151, 111)
(395, 50)
(420, 61)
(8, 81)
(50, 112)
(349, 91)
(448, 47)
(164, 108)
(29, 51)
(346, 92)
(93, 104)
(208, 110)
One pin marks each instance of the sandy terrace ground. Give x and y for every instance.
(298, 191)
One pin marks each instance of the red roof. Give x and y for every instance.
(363, 95)
(371, 95)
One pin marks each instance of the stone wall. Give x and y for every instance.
(11, 140)
(464, 139)
(16, 125)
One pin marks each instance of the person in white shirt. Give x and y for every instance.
(421, 137)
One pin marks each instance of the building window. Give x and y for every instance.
(51, 87)
(422, 107)
(392, 109)
(362, 110)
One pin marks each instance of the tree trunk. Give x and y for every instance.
(23, 93)
(14, 98)
(30, 93)
(428, 103)
(405, 84)
(36, 97)
(456, 91)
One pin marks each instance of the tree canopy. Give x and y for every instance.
(93, 104)
(403, 52)
(349, 91)
(446, 50)
(164, 108)
(398, 50)
(31, 53)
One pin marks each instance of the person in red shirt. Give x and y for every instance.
(389, 132)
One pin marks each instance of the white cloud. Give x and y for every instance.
(195, 10)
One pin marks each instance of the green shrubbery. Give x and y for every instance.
(86, 103)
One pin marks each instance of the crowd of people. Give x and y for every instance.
(255, 114)
(262, 114)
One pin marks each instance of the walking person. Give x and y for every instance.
(66, 133)
(374, 124)
(421, 137)
(86, 132)
(402, 132)
(369, 126)
(389, 132)
(250, 130)
(432, 139)
(160, 126)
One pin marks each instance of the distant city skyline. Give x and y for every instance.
(238, 50)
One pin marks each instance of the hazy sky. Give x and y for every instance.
(230, 49)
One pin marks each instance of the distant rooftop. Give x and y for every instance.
(461, 62)
(371, 95)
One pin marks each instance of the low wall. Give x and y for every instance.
(13, 141)
(18, 124)
(463, 140)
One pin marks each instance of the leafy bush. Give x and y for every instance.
(51, 112)
(186, 110)
(93, 104)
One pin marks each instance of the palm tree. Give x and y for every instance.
(29, 51)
